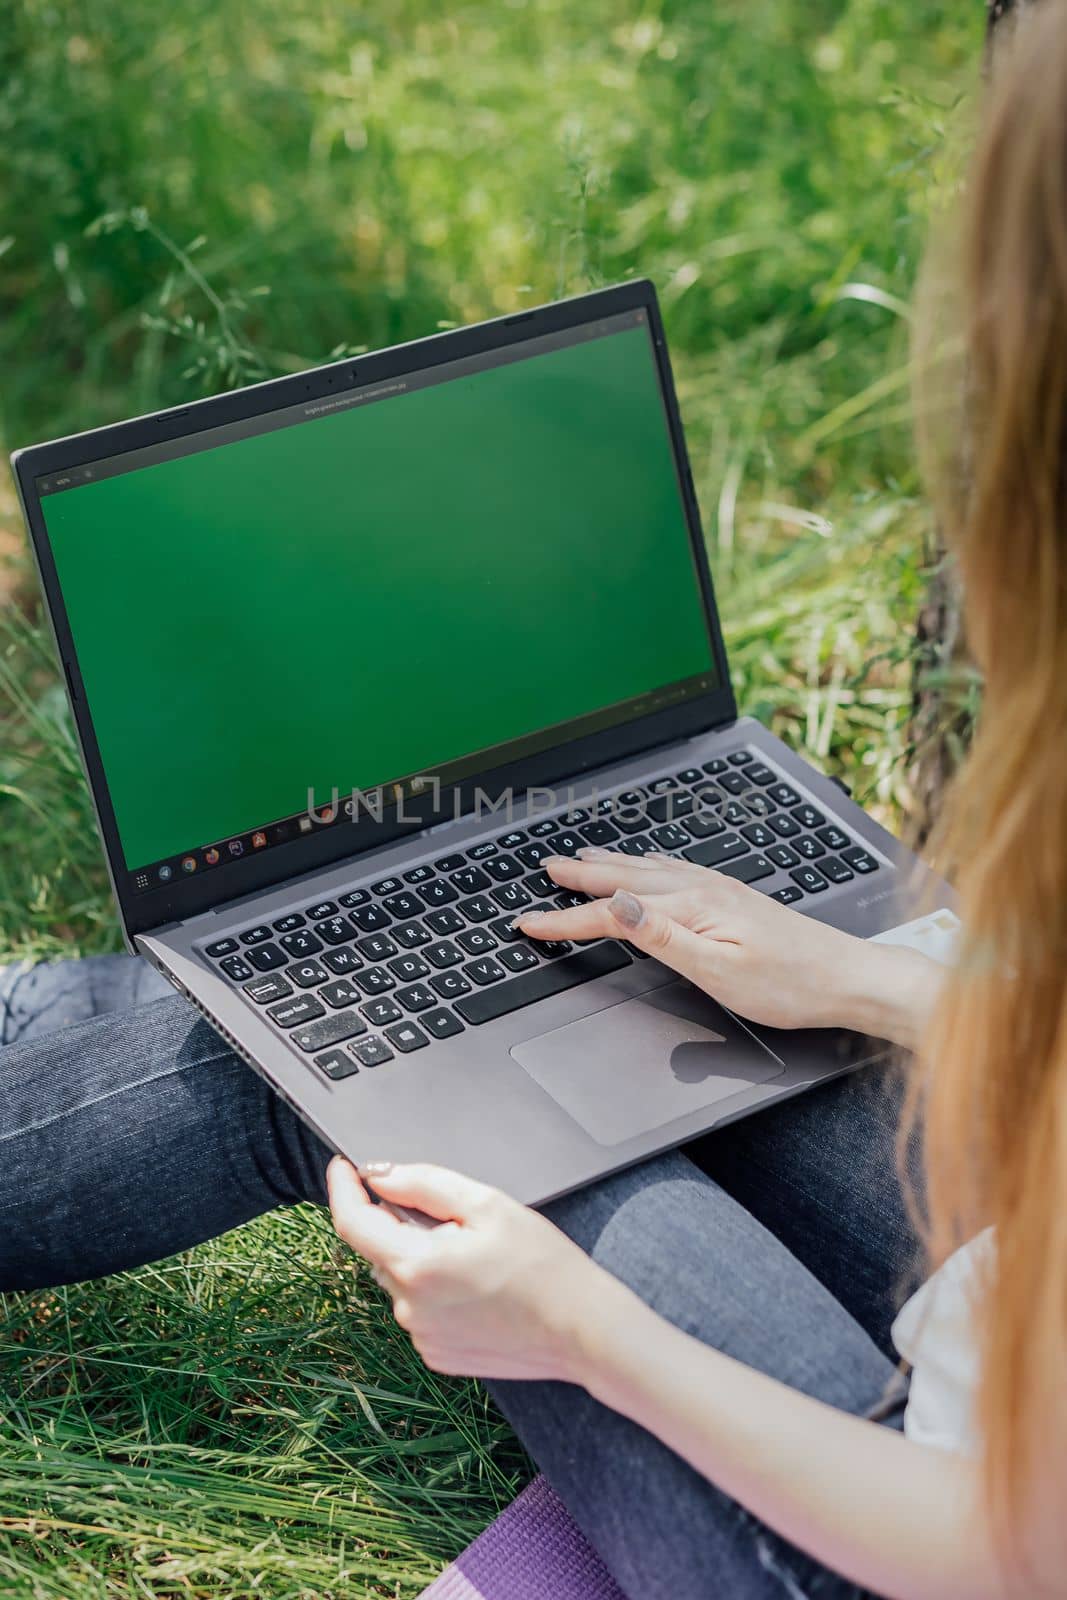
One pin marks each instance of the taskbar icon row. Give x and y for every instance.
(162, 873)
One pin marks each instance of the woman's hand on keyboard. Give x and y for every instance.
(760, 958)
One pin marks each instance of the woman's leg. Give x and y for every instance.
(820, 1172)
(696, 1255)
(131, 1135)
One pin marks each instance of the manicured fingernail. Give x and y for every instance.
(377, 1169)
(594, 852)
(528, 917)
(553, 861)
(627, 908)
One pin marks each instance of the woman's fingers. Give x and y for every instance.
(440, 1193)
(643, 924)
(601, 872)
(371, 1230)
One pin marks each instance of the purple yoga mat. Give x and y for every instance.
(533, 1551)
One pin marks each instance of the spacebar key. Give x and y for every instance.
(488, 1004)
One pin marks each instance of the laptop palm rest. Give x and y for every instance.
(637, 1065)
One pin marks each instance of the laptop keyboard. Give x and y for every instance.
(386, 968)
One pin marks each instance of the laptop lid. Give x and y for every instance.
(301, 618)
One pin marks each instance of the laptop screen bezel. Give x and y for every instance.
(188, 897)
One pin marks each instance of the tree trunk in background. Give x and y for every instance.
(942, 715)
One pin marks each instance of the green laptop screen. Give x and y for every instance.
(399, 579)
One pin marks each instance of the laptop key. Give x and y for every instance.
(757, 805)
(221, 947)
(510, 841)
(758, 834)
(410, 935)
(662, 785)
(325, 908)
(640, 846)
(403, 904)
(450, 985)
(336, 1064)
(265, 957)
(441, 1023)
(307, 974)
(511, 897)
(630, 822)
(783, 794)
(376, 947)
(666, 807)
(420, 874)
(479, 852)
(438, 892)
(339, 994)
(468, 880)
(702, 824)
(444, 922)
(371, 1052)
(567, 844)
(288, 924)
(379, 1012)
(834, 869)
(670, 836)
(340, 1025)
(342, 961)
(504, 868)
(484, 971)
(689, 775)
(833, 837)
(375, 980)
(236, 969)
(255, 935)
(740, 758)
(783, 856)
(543, 829)
(552, 949)
(809, 879)
(406, 1037)
(532, 855)
(448, 864)
(785, 827)
(476, 942)
(504, 931)
(735, 814)
(809, 848)
(808, 816)
(408, 968)
(386, 886)
(301, 943)
(599, 833)
(368, 919)
(416, 997)
(338, 930)
(712, 852)
(760, 773)
(477, 908)
(859, 860)
(789, 895)
(734, 782)
(264, 990)
(354, 897)
(520, 958)
(500, 999)
(442, 954)
(749, 869)
(301, 1009)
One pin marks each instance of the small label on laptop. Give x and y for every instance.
(936, 935)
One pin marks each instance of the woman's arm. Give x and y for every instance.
(903, 1519)
(897, 1517)
(761, 959)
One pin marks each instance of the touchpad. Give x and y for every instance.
(645, 1062)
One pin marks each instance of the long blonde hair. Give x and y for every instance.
(992, 1074)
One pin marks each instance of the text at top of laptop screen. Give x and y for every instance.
(378, 585)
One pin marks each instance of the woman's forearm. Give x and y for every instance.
(893, 1516)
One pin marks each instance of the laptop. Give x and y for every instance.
(350, 652)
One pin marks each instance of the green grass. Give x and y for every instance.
(195, 199)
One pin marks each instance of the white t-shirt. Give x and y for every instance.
(936, 1331)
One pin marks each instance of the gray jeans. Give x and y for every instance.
(129, 1131)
